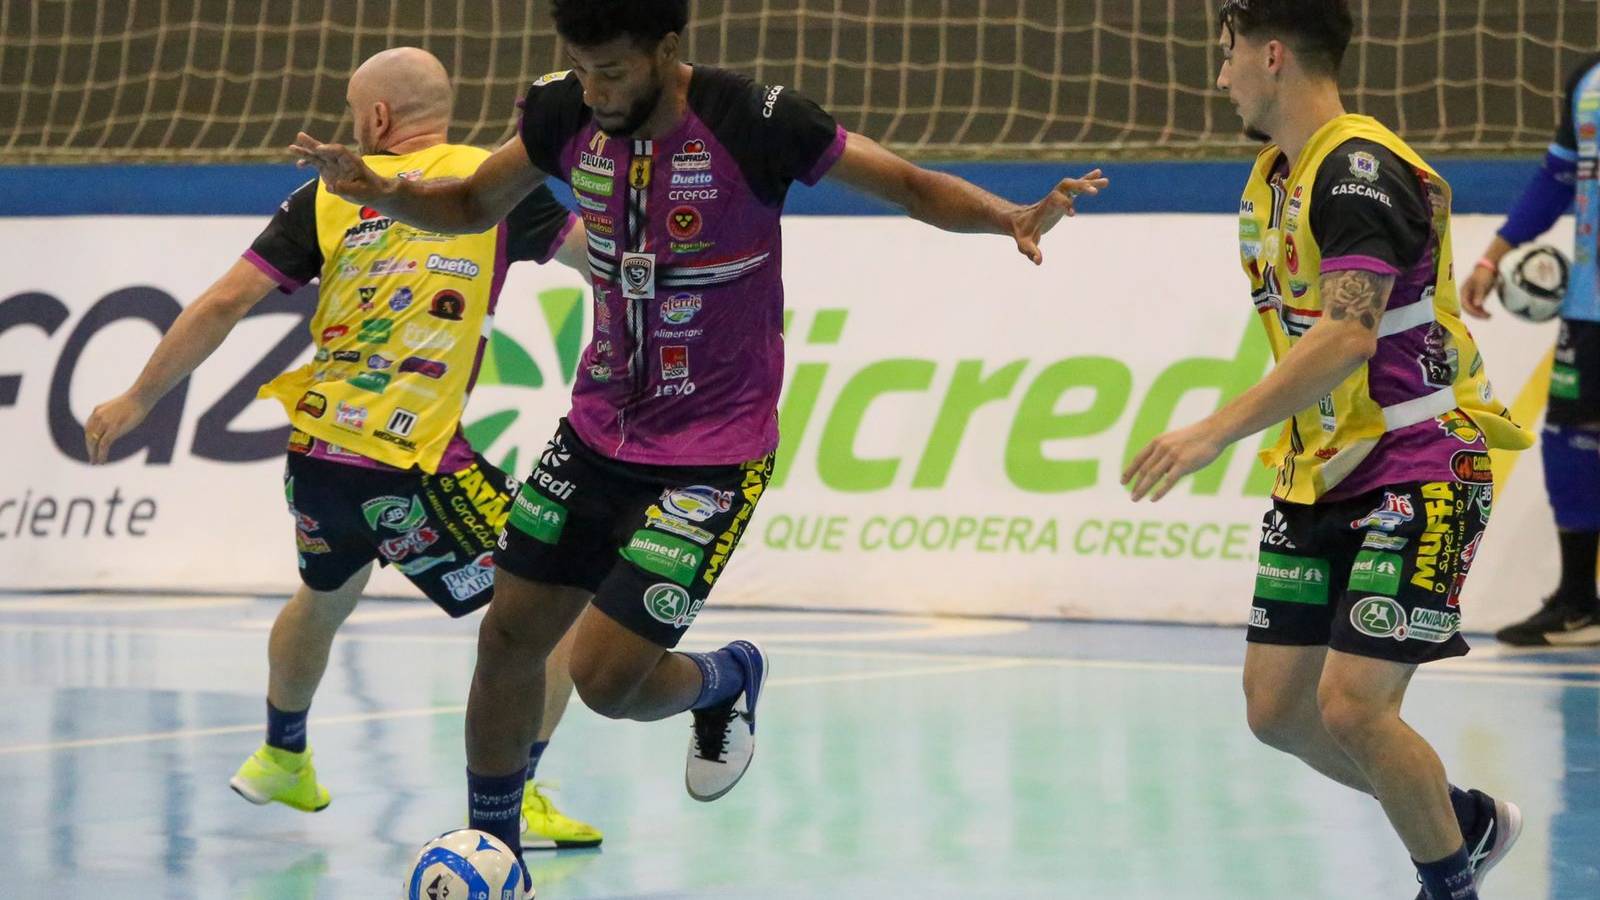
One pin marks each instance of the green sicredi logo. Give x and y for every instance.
(1046, 403)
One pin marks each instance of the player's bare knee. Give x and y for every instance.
(1351, 718)
(1276, 719)
(608, 690)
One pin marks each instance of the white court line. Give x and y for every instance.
(320, 722)
(1493, 672)
(112, 603)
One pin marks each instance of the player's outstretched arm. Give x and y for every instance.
(194, 336)
(954, 204)
(466, 206)
(1342, 340)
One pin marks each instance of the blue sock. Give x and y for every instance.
(534, 755)
(721, 677)
(1466, 807)
(1449, 878)
(286, 730)
(494, 805)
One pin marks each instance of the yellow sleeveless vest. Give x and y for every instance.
(1324, 443)
(398, 321)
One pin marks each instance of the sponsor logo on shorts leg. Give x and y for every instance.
(671, 605)
(1432, 625)
(1292, 579)
(656, 518)
(423, 563)
(1438, 550)
(664, 555)
(555, 453)
(1258, 618)
(1376, 573)
(1379, 617)
(1395, 511)
(414, 541)
(394, 513)
(755, 481)
(697, 503)
(1275, 531)
(537, 516)
(471, 580)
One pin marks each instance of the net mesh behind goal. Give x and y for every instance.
(228, 80)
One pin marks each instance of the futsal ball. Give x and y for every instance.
(1533, 282)
(465, 865)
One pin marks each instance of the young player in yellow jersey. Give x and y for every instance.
(1384, 483)
(378, 470)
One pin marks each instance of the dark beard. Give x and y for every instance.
(638, 114)
(1256, 134)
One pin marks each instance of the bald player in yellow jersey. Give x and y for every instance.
(378, 470)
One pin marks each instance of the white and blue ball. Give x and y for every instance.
(465, 865)
(1533, 282)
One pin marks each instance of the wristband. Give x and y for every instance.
(1486, 263)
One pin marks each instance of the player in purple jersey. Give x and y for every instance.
(639, 500)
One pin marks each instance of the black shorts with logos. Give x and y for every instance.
(1575, 376)
(438, 530)
(1379, 574)
(649, 541)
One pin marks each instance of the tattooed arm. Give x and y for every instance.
(1342, 340)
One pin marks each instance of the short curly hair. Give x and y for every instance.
(589, 23)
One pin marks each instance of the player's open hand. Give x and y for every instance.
(1170, 457)
(1476, 289)
(1033, 221)
(110, 421)
(341, 170)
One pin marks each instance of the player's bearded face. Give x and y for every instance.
(622, 84)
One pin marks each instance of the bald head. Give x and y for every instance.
(414, 87)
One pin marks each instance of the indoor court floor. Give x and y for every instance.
(898, 757)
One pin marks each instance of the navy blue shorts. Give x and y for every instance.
(439, 530)
(648, 541)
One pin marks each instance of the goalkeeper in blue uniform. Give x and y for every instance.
(1571, 442)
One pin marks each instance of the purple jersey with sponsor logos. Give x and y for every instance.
(686, 359)
(1386, 227)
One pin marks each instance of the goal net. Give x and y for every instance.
(228, 80)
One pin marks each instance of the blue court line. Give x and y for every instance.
(1210, 186)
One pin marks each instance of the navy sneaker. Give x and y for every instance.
(724, 736)
(1498, 826)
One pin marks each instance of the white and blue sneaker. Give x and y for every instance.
(724, 737)
(1498, 826)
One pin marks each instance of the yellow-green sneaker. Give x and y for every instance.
(546, 828)
(274, 775)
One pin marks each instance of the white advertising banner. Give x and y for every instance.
(955, 420)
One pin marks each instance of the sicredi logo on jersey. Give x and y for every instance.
(459, 267)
